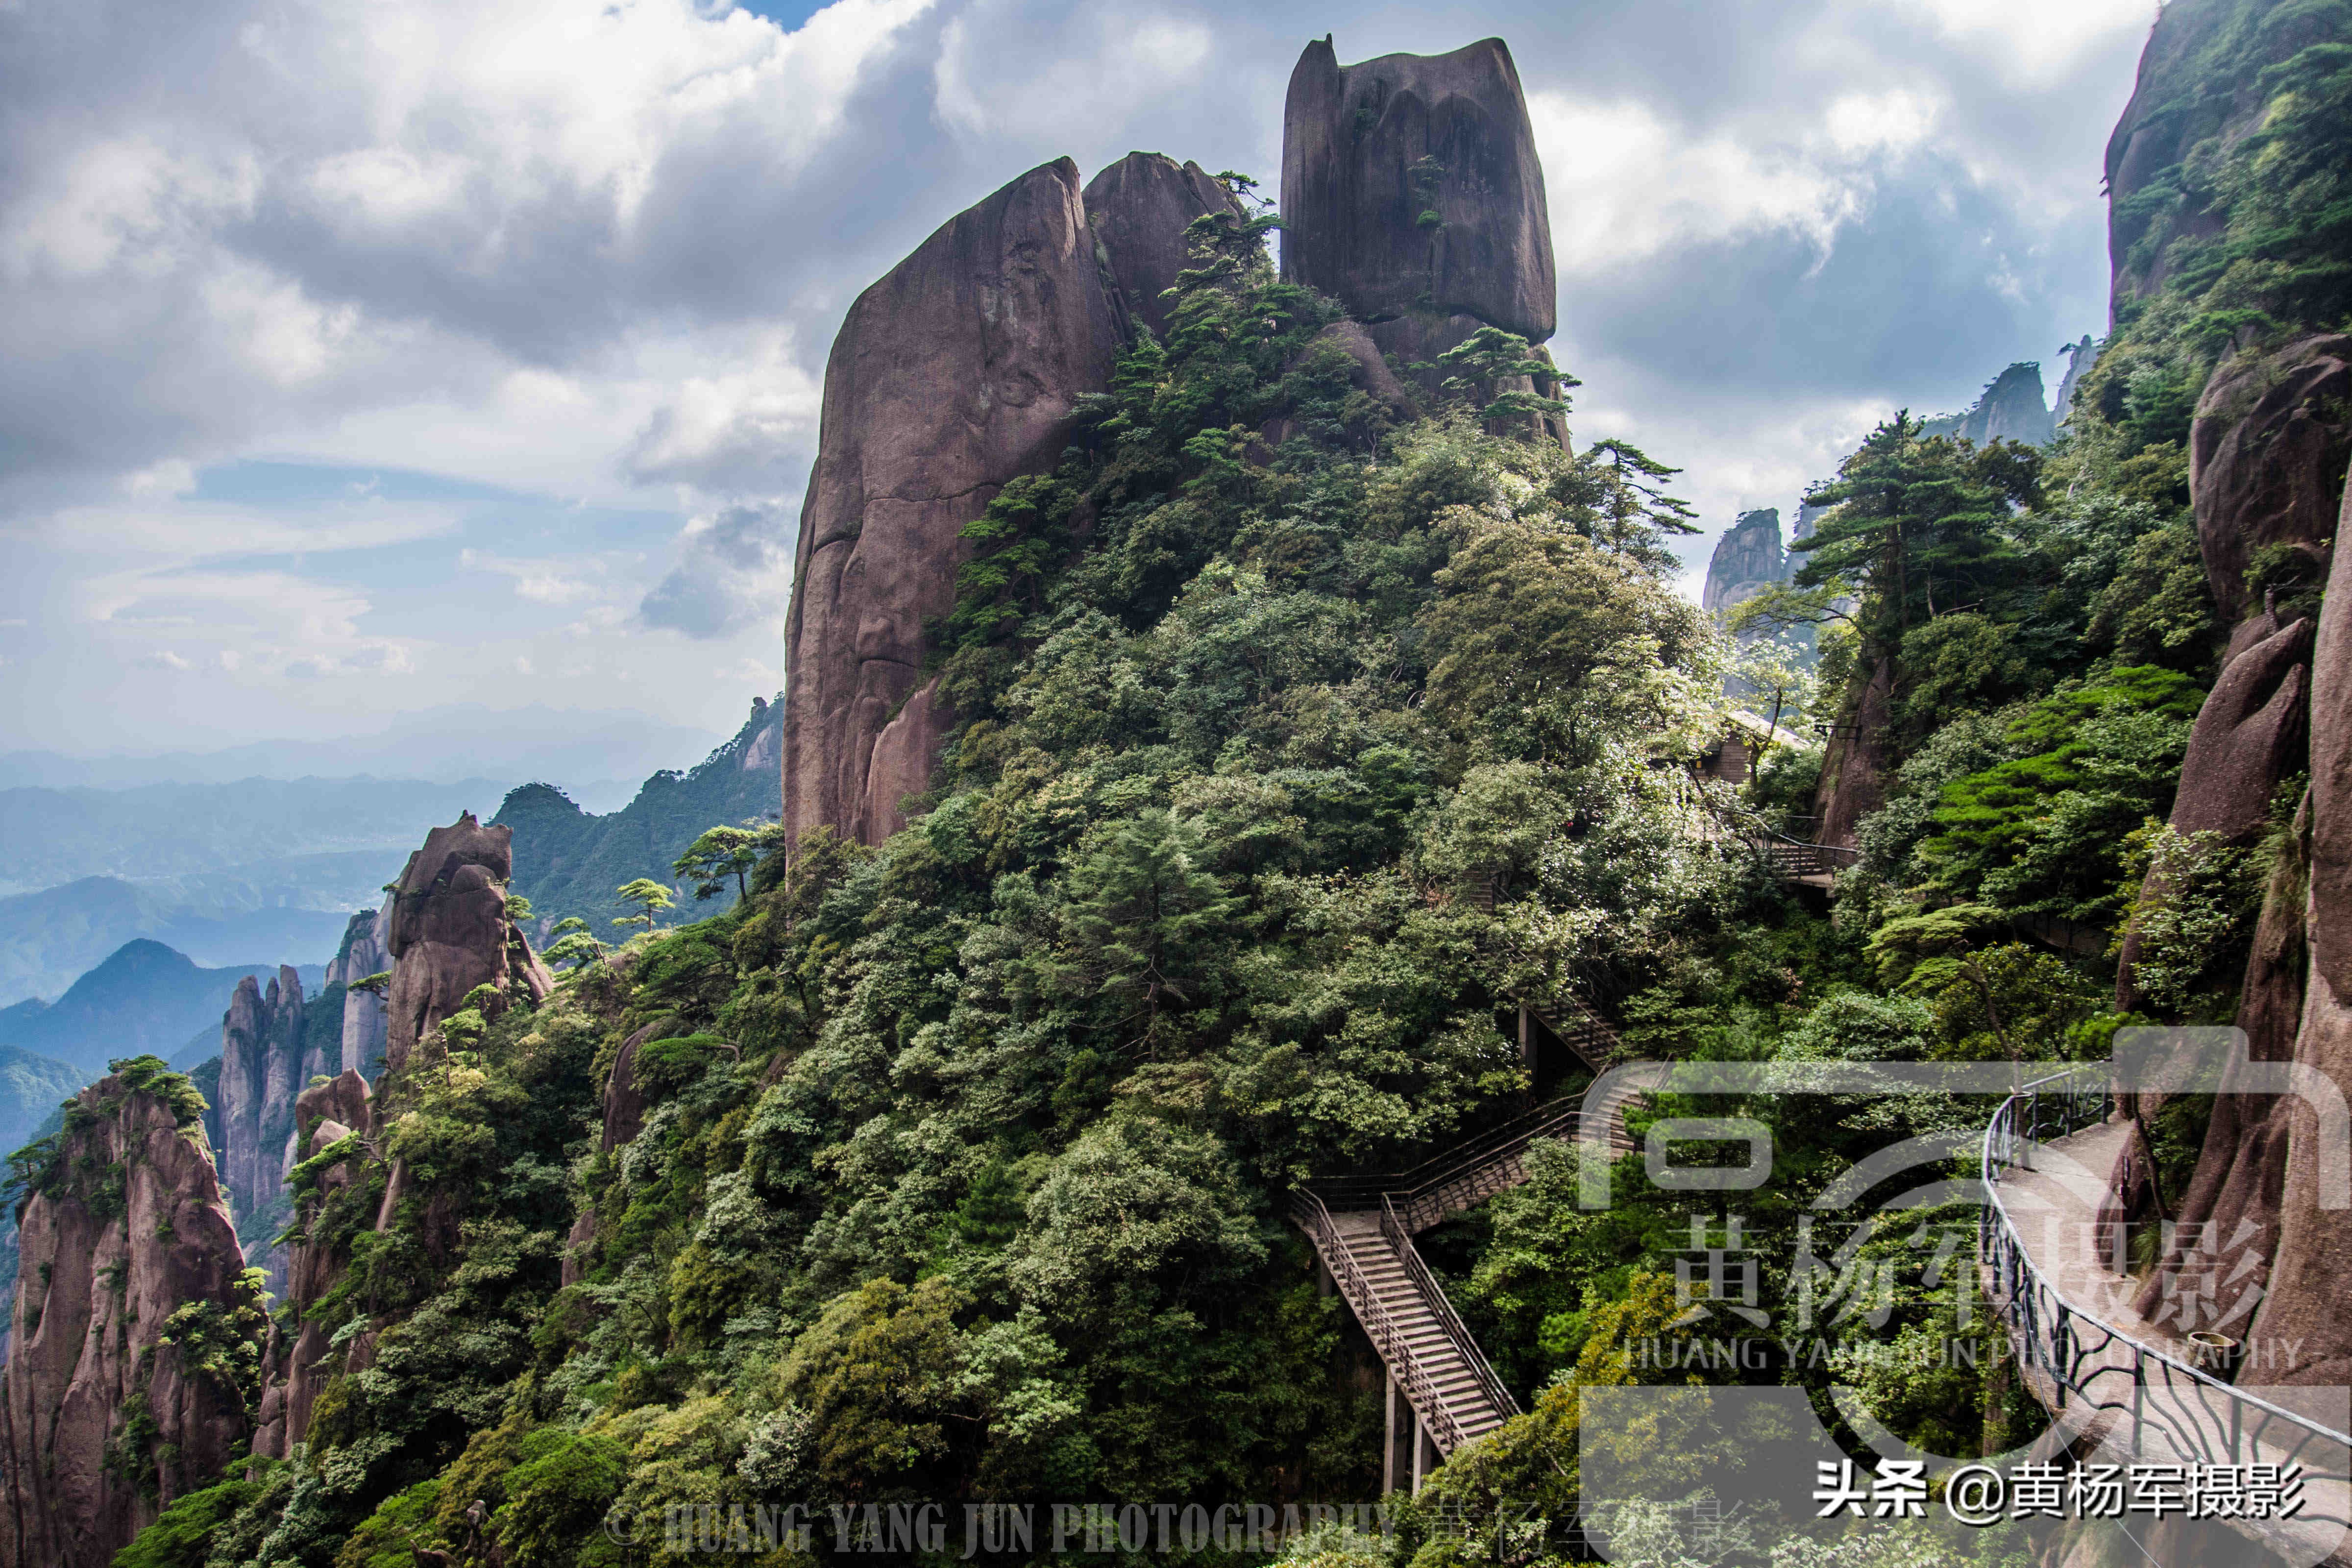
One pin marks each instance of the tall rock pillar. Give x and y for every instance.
(262, 1068)
(363, 952)
(1412, 192)
(956, 372)
(1138, 210)
(103, 1425)
(448, 933)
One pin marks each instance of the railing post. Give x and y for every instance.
(1388, 1449)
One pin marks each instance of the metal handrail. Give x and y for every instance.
(1778, 846)
(1387, 1337)
(1495, 1142)
(2067, 1345)
(1442, 1306)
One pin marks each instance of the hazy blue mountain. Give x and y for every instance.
(31, 1089)
(567, 862)
(50, 938)
(453, 741)
(145, 997)
(277, 833)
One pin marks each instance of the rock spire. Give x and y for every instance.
(959, 371)
(128, 1255)
(447, 933)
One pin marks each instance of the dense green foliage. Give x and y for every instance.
(567, 862)
(1296, 750)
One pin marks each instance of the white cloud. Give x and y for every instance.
(186, 531)
(733, 570)
(992, 80)
(734, 422)
(594, 250)
(543, 581)
(1859, 124)
(1627, 181)
(349, 209)
(2035, 40)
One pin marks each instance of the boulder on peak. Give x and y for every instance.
(1411, 183)
(448, 932)
(1138, 210)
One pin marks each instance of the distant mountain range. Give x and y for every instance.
(143, 997)
(50, 938)
(31, 1089)
(568, 861)
(606, 749)
(305, 833)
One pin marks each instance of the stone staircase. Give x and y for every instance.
(1441, 1392)
(1440, 1395)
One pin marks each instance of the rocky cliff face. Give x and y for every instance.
(2010, 408)
(2198, 83)
(2257, 1183)
(298, 1368)
(1854, 766)
(956, 372)
(2080, 359)
(448, 933)
(1412, 192)
(1748, 560)
(363, 953)
(132, 1334)
(2266, 462)
(1412, 185)
(1138, 210)
(265, 1062)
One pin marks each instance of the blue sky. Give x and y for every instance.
(371, 358)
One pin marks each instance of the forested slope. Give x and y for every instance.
(1300, 733)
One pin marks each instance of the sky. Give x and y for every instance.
(368, 358)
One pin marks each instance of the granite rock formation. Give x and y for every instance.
(1854, 767)
(129, 1230)
(1412, 185)
(2302, 1316)
(2255, 1191)
(2199, 83)
(956, 372)
(2266, 459)
(1412, 192)
(2010, 408)
(1138, 210)
(2080, 359)
(1748, 560)
(447, 933)
(363, 952)
(271, 1047)
(2248, 735)
(325, 1113)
